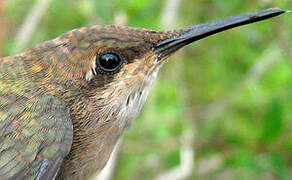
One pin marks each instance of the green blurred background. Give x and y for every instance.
(220, 109)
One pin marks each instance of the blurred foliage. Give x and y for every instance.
(208, 88)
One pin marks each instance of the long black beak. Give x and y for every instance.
(193, 33)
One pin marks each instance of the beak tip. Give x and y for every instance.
(276, 9)
(193, 33)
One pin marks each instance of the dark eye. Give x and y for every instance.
(108, 62)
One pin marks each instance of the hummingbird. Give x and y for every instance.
(65, 103)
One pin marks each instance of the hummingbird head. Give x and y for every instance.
(116, 65)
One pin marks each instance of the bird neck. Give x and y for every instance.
(99, 121)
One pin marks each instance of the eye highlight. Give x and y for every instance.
(108, 62)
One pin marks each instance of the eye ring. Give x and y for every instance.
(108, 62)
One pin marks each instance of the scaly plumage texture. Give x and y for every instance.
(35, 127)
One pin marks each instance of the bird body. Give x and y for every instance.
(65, 103)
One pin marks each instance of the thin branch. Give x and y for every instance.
(169, 13)
(187, 153)
(121, 18)
(29, 26)
(184, 170)
(281, 30)
(2, 26)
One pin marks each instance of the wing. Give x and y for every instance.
(35, 135)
